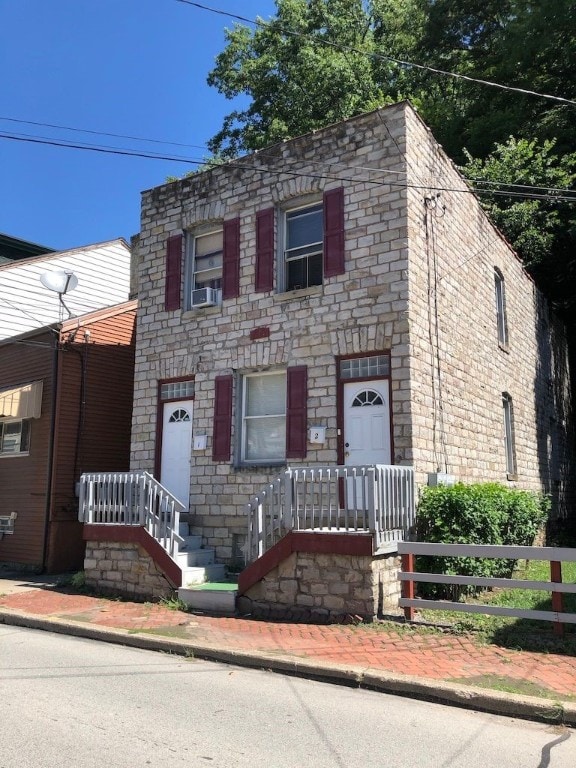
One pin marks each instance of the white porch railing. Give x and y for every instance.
(131, 498)
(376, 499)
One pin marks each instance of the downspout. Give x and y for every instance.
(51, 448)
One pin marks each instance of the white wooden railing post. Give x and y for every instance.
(371, 476)
(287, 511)
(142, 500)
(260, 529)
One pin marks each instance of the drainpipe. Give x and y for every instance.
(51, 447)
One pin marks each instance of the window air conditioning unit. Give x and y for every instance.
(205, 297)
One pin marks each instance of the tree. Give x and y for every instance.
(309, 66)
(543, 231)
(320, 61)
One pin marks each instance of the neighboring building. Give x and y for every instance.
(65, 408)
(103, 272)
(14, 249)
(338, 299)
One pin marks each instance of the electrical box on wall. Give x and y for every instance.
(440, 478)
(199, 442)
(318, 434)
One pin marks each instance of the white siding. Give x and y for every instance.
(103, 272)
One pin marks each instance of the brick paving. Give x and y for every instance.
(430, 656)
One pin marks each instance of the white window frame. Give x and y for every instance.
(509, 435)
(317, 247)
(192, 281)
(245, 419)
(24, 441)
(500, 299)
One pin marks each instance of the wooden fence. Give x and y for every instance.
(554, 555)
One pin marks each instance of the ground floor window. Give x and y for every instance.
(509, 442)
(14, 437)
(263, 418)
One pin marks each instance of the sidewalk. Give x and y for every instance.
(435, 666)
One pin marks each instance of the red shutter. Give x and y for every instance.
(296, 412)
(231, 263)
(222, 429)
(173, 272)
(334, 232)
(265, 250)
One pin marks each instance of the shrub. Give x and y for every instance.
(486, 513)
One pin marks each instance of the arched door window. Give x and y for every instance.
(367, 397)
(180, 414)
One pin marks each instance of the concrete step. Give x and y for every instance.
(190, 543)
(202, 574)
(195, 557)
(211, 597)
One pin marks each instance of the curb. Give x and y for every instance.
(454, 694)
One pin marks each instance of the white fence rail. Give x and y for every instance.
(554, 555)
(131, 498)
(375, 499)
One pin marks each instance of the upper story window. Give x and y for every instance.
(303, 247)
(14, 437)
(205, 261)
(300, 246)
(500, 297)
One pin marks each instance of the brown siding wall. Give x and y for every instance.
(94, 407)
(24, 479)
(94, 419)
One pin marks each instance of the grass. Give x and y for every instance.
(511, 685)
(173, 603)
(526, 634)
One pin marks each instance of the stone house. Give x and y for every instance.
(338, 299)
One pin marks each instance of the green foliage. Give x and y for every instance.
(78, 580)
(316, 62)
(309, 66)
(486, 513)
(540, 230)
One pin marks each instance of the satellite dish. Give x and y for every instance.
(59, 281)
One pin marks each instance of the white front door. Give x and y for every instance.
(367, 422)
(366, 430)
(177, 449)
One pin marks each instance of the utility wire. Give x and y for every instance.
(380, 56)
(101, 133)
(240, 163)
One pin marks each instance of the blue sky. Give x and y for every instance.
(133, 67)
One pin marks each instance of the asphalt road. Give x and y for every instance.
(69, 702)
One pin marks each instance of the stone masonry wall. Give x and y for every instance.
(124, 569)
(325, 587)
(363, 311)
(459, 370)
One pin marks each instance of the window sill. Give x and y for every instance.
(259, 467)
(504, 347)
(511, 476)
(301, 293)
(14, 455)
(190, 312)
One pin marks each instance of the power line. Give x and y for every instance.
(179, 158)
(240, 163)
(102, 133)
(380, 56)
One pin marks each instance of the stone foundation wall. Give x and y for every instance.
(126, 569)
(325, 587)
